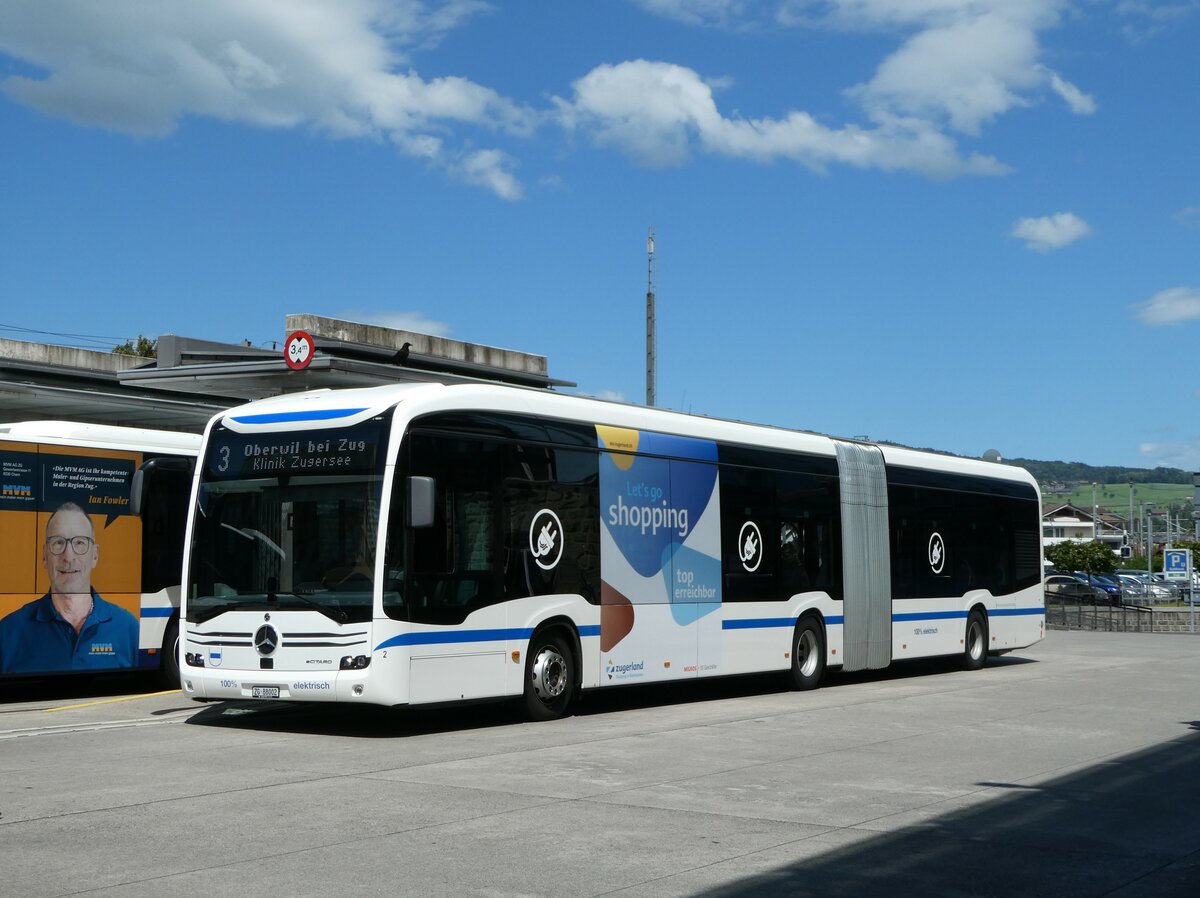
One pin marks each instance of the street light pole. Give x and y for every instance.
(1149, 542)
(1131, 509)
(1095, 522)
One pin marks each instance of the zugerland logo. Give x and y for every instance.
(624, 671)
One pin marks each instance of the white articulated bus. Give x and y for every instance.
(91, 527)
(418, 544)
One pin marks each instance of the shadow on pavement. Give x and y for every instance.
(370, 722)
(1127, 827)
(69, 687)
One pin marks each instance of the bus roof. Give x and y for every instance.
(329, 408)
(106, 436)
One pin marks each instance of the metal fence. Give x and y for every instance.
(1065, 613)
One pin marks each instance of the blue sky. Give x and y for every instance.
(961, 224)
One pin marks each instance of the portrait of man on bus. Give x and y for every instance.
(71, 627)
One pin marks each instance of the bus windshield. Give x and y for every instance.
(288, 521)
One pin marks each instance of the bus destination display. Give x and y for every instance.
(351, 451)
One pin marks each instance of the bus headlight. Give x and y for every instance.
(355, 662)
(194, 659)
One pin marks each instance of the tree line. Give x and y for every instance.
(1066, 471)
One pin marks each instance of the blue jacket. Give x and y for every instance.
(36, 639)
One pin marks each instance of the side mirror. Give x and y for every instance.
(422, 493)
(137, 489)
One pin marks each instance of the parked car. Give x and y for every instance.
(1111, 589)
(1109, 584)
(1145, 588)
(1177, 587)
(1071, 588)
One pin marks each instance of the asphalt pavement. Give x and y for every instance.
(1071, 768)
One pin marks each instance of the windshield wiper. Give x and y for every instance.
(271, 602)
(200, 615)
(337, 615)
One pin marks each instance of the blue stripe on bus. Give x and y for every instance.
(962, 615)
(758, 623)
(439, 637)
(321, 414)
(929, 615)
(157, 612)
(762, 623)
(446, 637)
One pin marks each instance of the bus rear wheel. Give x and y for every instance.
(549, 676)
(808, 654)
(975, 645)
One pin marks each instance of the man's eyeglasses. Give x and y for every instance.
(79, 544)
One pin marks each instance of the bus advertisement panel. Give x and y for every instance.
(660, 555)
(70, 584)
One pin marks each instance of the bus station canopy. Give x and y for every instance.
(191, 379)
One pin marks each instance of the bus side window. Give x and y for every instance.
(541, 478)
(748, 512)
(164, 518)
(452, 570)
(810, 548)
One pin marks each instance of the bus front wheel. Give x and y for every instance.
(168, 659)
(549, 676)
(975, 646)
(808, 654)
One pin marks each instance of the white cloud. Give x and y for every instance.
(1080, 103)
(652, 111)
(1051, 231)
(346, 70)
(718, 13)
(1144, 21)
(1173, 306)
(959, 65)
(610, 395)
(415, 322)
(338, 68)
(1189, 216)
(490, 169)
(1172, 455)
(964, 73)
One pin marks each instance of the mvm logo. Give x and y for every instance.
(17, 491)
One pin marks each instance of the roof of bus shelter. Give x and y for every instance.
(191, 380)
(44, 382)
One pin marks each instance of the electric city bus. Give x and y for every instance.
(92, 522)
(428, 543)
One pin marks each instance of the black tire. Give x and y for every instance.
(550, 675)
(808, 654)
(975, 645)
(168, 665)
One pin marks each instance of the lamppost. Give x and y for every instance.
(1131, 506)
(1149, 540)
(1095, 522)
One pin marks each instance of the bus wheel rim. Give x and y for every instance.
(549, 674)
(806, 649)
(975, 640)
